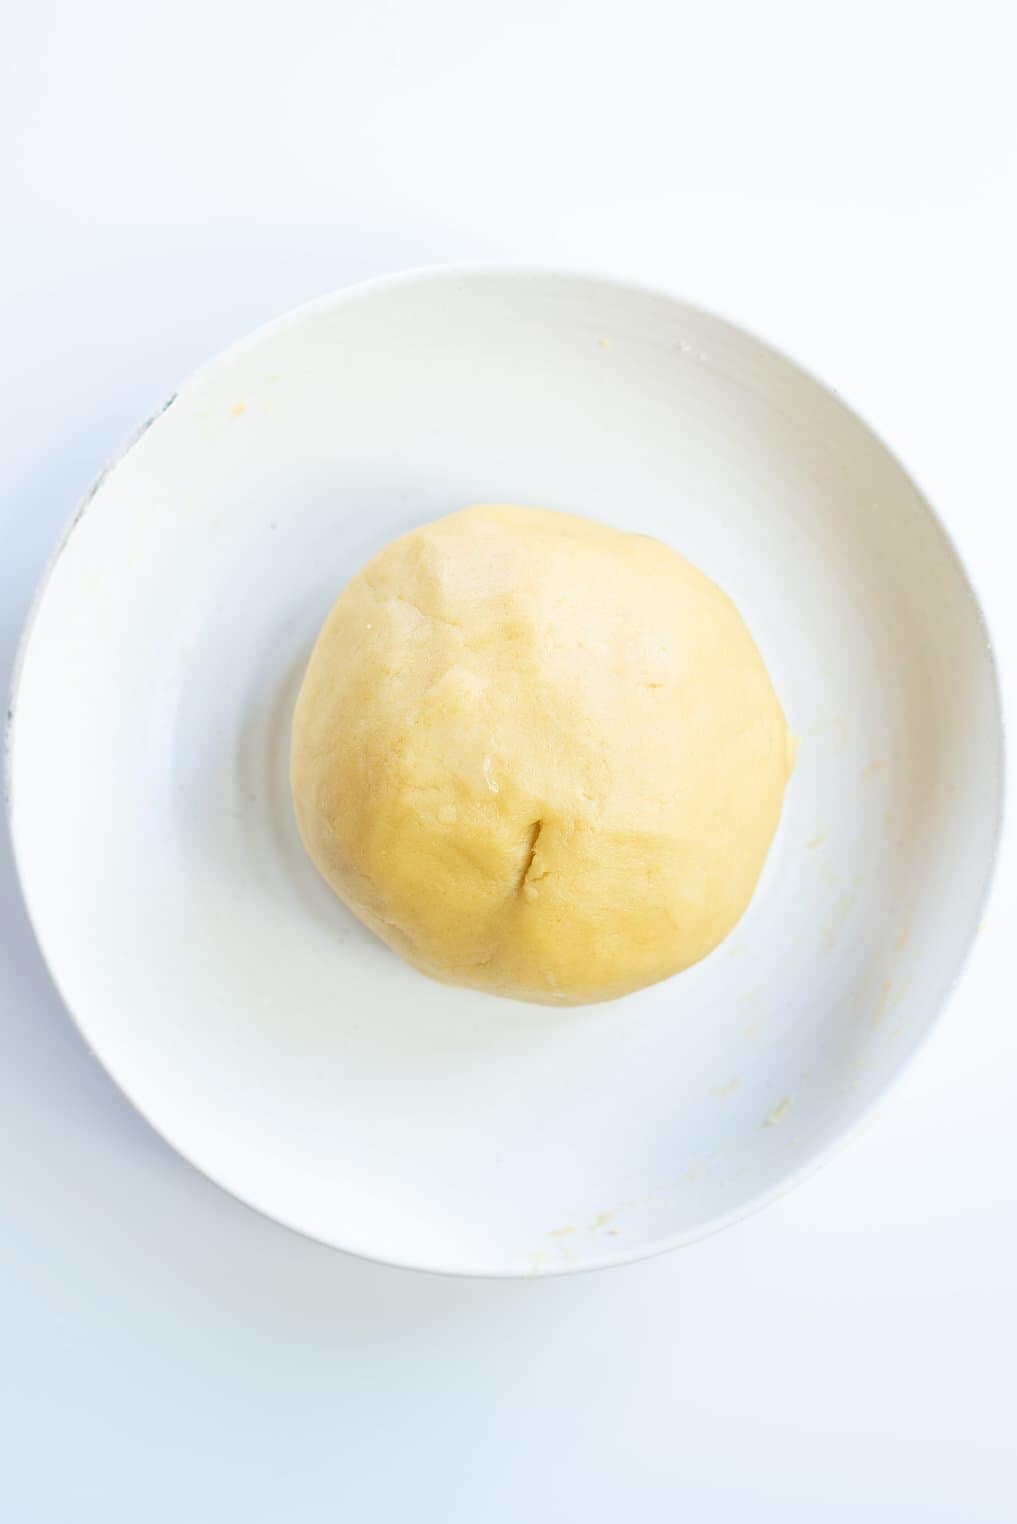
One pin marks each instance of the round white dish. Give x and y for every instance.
(250, 1018)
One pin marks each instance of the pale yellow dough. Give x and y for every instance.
(538, 756)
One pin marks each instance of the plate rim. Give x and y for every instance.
(438, 273)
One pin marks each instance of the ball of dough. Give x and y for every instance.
(538, 756)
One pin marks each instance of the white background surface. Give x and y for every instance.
(841, 178)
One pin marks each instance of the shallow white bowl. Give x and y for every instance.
(264, 1032)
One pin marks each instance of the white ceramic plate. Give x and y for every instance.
(268, 1036)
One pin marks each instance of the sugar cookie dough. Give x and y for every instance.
(538, 756)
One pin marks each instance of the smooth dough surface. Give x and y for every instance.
(538, 756)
